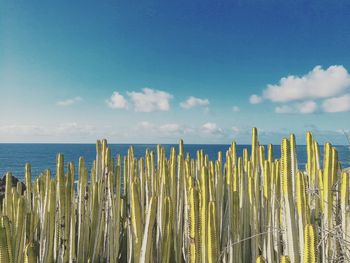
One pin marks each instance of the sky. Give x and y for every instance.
(157, 71)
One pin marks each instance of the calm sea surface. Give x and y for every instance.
(43, 156)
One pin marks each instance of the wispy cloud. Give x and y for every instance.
(236, 109)
(191, 102)
(170, 128)
(23, 130)
(211, 128)
(60, 130)
(117, 101)
(145, 126)
(166, 129)
(304, 108)
(255, 99)
(208, 130)
(176, 130)
(68, 102)
(337, 104)
(235, 130)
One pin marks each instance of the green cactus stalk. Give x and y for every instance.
(344, 204)
(212, 245)
(309, 244)
(302, 208)
(260, 259)
(30, 253)
(290, 225)
(285, 259)
(4, 251)
(136, 220)
(327, 201)
(8, 202)
(203, 215)
(147, 241)
(5, 223)
(193, 232)
(167, 237)
(19, 231)
(28, 181)
(179, 208)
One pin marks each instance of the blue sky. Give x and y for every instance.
(157, 71)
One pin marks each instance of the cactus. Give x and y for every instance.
(285, 259)
(260, 259)
(249, 208)
(212, 238)
(30, 253)
(309, 244)
(290, 226)
(4, 252)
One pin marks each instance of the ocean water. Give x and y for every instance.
(43, 156)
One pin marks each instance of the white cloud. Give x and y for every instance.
(235, 130)
(193, 102)
(170, 128)
(145, 125)
(337, 104)
(150, 100)
(303, 107)
(23, 129)
(166, 129)
(52, 131)
(317, 84)
(211, 128)
(284, 109)
(255, 99)
(74, 128)
(307, 107)
(236, 109)
(68, 102)
(117, 101)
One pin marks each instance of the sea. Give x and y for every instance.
(13, 156)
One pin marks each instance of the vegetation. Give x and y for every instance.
(250, 208)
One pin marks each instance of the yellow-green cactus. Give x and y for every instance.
(4, 252)
(285, 259)
(249, 208)
(260, 259)
(212, 234)
(309, 244)
(290, 226)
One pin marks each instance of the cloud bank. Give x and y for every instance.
(330, 85)
(316, 84)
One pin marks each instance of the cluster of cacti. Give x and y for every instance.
(249, 208)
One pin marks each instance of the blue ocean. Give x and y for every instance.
(43, 156)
